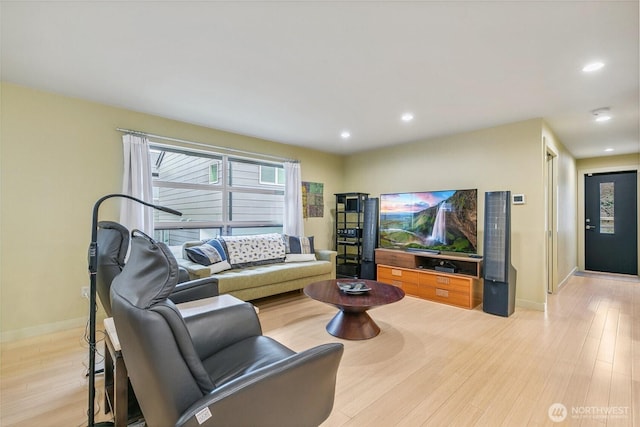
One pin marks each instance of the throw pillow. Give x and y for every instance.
(222, 265)
(299, 248)
(206, 254)
(252, 250)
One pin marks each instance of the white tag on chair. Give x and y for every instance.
(203, 415)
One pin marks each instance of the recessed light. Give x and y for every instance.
(602, 114)
(594, 66)
(608, 150)
(407, 117)
(345, 134)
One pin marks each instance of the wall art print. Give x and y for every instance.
(312, 199)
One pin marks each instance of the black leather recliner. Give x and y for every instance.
(213, 368)
(113, 244)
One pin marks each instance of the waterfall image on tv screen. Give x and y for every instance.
(436, 220)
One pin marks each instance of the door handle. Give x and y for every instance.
(590, 227)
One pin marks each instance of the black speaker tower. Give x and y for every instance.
(499, 293)
(369, 239)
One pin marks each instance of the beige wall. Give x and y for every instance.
(509, 157)
(609, 163)
(58, 156)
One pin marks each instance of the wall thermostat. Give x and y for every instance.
(518, 199)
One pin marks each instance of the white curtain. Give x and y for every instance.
(136, 182)
(293, 225)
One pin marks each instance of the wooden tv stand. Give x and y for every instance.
(417, 273)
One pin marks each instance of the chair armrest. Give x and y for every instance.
(297, 391)
(211, 332)
(194, 290)
(183, 275)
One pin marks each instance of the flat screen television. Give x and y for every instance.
(443, 221)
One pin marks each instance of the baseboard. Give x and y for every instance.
(542, 306)
(566, 279)
(47, 328)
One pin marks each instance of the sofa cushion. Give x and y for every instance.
(246, 251)
(299, 248)
(263, 275)
(210, 254)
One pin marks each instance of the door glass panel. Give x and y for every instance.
(606, 208)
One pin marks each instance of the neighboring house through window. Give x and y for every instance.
(218, 194)
(271, 175)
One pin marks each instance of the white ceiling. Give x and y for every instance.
(302, 72)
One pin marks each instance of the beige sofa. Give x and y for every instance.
(249, 283)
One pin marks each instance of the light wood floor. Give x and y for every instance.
(431, 364)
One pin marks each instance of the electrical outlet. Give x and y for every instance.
(84, 292)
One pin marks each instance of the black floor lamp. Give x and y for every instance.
(93, 269)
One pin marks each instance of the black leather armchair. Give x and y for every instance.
(213, 368)
(113, 244)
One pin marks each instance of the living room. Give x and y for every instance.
(31, 308)
(60, 153)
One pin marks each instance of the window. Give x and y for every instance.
(271, 175)
(218, 194)
(607, 205)
(214, 176)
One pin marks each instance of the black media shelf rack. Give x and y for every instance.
(348, 233)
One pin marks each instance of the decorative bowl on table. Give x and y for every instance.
(354, 288)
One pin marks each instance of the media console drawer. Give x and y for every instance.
(445, 282)
(401, 269)
(448, 296)
(405, 279)
(395, 258)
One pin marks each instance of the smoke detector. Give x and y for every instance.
(602, 114)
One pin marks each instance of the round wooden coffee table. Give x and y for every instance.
(353, 322)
